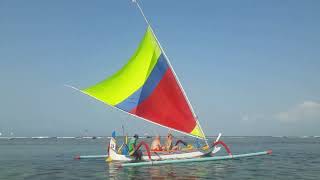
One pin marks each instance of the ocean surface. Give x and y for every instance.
(52, 158)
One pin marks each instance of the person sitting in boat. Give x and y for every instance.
(169, 144)
(132, 148)
(156, 144)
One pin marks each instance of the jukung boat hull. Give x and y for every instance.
(184, 155)
(160, 155)
(114, 156)
(156, 157)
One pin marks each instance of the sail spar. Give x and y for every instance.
(146, 87)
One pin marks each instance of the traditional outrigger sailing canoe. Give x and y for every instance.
(148, 88)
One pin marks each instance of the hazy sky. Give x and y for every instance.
(249, 67)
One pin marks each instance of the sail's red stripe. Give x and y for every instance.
(167, 106)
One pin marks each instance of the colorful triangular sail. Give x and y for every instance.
(146, 87)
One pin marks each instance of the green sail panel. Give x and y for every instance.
(131, 76)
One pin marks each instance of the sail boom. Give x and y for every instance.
(79, 90)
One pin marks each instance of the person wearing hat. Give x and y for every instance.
(132, 145)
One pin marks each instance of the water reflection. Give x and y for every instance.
(172, 171)
(113, 170)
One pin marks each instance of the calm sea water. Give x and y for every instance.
(292, 158)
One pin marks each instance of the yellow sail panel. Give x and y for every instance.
(131, 77)
(197, 132)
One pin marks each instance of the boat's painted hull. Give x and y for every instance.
(157, 156)
(144, 157)
(114, 156)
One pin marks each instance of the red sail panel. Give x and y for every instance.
(167, 106)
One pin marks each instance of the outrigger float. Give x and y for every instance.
(148, 88)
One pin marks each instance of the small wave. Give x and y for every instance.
(4, 137)
(87, 137)
(66, 137)
(14, 137)
(40, 137)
